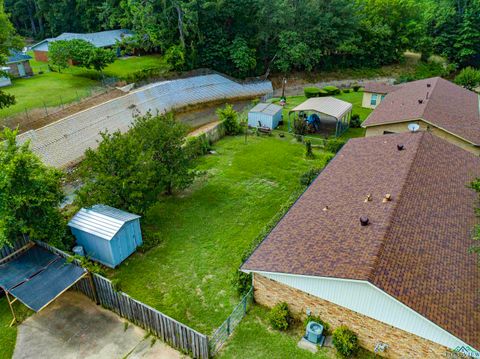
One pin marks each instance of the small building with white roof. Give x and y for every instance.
(107, 235)
(330, 112)
(265, 115)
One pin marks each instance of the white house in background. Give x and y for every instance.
(5, 80)
(380, 242)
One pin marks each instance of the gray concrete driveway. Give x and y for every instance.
(74, 327)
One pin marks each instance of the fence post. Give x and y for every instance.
(26, 114)
(228, 326)
(45, 107)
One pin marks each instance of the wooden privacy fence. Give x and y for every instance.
(226, 329)
(168, 329)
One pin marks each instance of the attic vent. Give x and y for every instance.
(364, 221)
(387, 198)
(368, 198)
(420, 101)
(429, 85)
(400, 147)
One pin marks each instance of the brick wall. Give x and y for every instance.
(40, 55)
(370, 331)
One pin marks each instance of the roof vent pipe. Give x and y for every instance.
(420, 101)
(429, 85)
(368, 198)
(400, 147)
(387, 198)
(364, 221)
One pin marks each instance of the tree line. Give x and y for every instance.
(253, 37)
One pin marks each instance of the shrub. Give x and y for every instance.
(229, 117)
(323, 93)
(345, 341)
(300, 127)
(334, 145)
(308, 149)
(279, 317)
(468, 78)
(313, 318)
(346, 90)
(332, 90)
(242, 282)
(307, 178)
(356, 87)
(355, 121)
(198, 146)
(311, 92)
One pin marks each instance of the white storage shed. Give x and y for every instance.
(265, 115)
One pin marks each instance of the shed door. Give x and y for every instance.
(21, 70)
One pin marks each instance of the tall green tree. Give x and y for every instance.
(118, 173)
(165, 138)
(30, 195)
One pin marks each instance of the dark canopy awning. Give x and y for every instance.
(37, 277)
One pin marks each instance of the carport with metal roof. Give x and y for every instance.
(331, 113)
(36, 277)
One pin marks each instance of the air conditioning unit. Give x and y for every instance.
(314, 333)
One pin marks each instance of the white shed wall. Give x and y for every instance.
(366, 299)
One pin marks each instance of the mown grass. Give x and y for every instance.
(254, 338)
(52, 89)
(206, 229)
(8, 335)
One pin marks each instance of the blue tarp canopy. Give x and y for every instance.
(37, 277)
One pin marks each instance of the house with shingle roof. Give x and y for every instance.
(375, 92)
(380, 242)
(102, 39)
(437, 105)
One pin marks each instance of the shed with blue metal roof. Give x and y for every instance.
(107, 235)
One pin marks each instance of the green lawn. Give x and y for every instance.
(53, 88)
(254, 338)
(8, 335)
(206, 229)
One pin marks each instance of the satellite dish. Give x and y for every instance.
(413, 127)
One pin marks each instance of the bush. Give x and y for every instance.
(311, 92)
(307, 178)
(300, 127)
(334, 145)
(229, 117)
(308, 149)
(346, 90)
(242, 282)
(356, 87)
(279, 317)
(332, 90)
(468, 78)
(313, 318)
(345, 341)
(355, 121)
(198, 146)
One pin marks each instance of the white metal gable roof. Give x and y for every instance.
(101, 221)
(328, 105)
(267, 108)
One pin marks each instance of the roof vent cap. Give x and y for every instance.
(364, 221)
(420, 101)
(429, 85)
(325, 208)
(368, 198)
(400, 147)
(387, 198)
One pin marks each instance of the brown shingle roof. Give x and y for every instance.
(444, 105)
(415, 247)
(379, 87)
